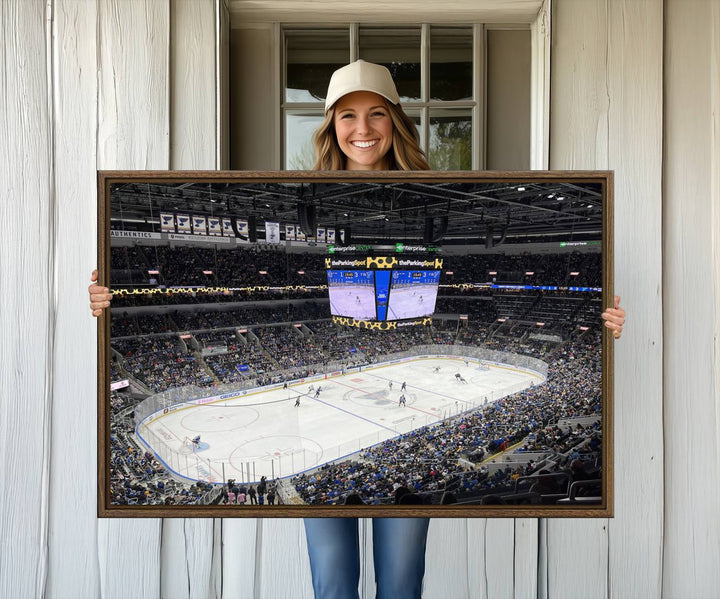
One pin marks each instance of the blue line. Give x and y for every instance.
(355, 415)
(421, 388)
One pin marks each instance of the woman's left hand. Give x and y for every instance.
(615, 318)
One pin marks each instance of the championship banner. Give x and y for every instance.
(342, 235)
(183, 223)
(243, 230)
(272, 233)
(167, 222)
(321, 234)
(299, 234)
(331, 235)
(199, 225)
(227, 228)
(214, 226)
(289, 232)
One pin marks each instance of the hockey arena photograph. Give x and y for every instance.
(294, 344)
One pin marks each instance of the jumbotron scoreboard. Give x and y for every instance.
(382, 291)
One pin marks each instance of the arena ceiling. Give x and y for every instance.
(447, 212)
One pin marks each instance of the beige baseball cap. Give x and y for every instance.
(361, 76)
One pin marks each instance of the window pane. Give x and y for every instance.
(451, 56)
(415, 117)
(311, 57)
(399, 50)
(299, 149)
(450, 140)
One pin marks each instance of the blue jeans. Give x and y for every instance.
(398, 553)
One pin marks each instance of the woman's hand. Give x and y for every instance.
(615, 318)
(99, 296)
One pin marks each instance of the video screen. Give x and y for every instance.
(352, 293)
(412, 293)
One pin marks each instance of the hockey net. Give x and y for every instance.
(188, 446)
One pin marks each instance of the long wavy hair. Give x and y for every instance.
(405, 153)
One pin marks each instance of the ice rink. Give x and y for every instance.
(263, 432)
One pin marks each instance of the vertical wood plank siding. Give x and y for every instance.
(189, 566)
(577, 550)
(26, 285)
(133, 133)
(635, 87)
(606, 101)
(692, 397)
(73, 552)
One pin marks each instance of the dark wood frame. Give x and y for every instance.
(106, 509)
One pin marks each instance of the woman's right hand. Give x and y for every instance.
(99, 296)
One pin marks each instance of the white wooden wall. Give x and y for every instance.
(635, 87)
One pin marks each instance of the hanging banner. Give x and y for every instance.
(299, 235)
(214, 228)
(331, 235)
(289, 232)
(183, 223)
(272, 233)
(321, 234)
(243, 230)
(227, 229)
(199, 225)
(167, 222)
(342, 235)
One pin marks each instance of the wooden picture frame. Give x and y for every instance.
(508, 409)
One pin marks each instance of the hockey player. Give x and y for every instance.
(297, 401)
(436, 369)
(401, 401)
(196, 441)
(311, 388)
(390, 385)
(403, 387)
(317, 392)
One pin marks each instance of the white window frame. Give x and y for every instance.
(538, 20)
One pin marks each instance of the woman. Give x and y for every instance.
(365, 129)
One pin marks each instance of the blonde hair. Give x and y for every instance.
(404, 155)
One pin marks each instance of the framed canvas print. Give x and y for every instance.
(285, 344)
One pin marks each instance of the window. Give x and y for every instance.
(437, 70)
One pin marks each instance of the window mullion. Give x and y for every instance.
(280, 60)
(354, 41)
(425, 85)
(479, 112)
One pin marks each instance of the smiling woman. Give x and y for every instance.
(364, 131)
(365, 128)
